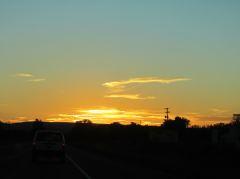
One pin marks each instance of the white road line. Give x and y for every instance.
(78, 167)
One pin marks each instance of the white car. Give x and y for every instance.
(48, 143)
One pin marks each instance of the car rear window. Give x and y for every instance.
(49, 137)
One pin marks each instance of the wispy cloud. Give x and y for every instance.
(219, 111)
(21, 118)
(24, 75)
(117, 87)
(37, 80)
(120, 85)
(30, 77)
(129, 96)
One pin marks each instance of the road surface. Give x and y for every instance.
(16, 163)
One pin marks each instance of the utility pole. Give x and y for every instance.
(167, 113)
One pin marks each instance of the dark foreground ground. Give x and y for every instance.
(16, 163)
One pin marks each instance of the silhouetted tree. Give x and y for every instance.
(236, 121)
(1, 125)
(178, 123)
(133, 124)
(37, 125)
(182, 122)
(168, 123)
(86, 121)
(116, 124)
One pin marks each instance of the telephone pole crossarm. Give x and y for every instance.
(167, 113)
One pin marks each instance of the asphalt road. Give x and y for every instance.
(16, 163)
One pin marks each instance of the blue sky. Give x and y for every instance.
(71, 48)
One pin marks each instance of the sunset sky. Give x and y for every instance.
(125, 60)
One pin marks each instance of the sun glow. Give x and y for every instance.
(110, 115)
(105, 115)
